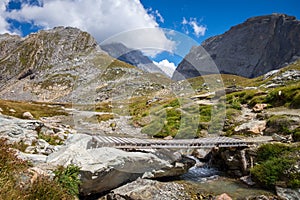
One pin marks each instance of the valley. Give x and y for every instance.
(59, 89)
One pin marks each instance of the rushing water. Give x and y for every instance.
(200, 172)
(209, 180)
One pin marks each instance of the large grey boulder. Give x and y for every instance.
(103, 169)
(253, 48)
(150, 190)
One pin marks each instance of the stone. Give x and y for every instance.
(288, 193)
(103, 169)
(259, 107)
(253, 127)
(12, 110)
(34, 158)
(247, 180)
(16, 130)
(223, 196)
(278, 138)
(150, 190)
(27, 115)
(169, 137)
(242, 49)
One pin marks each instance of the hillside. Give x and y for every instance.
(66, 65)
(253, 48)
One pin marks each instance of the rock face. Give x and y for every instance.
(130, 56)
(253, 48)
(103, 169)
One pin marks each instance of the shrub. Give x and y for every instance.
(296, 134)
(277, 164)
(68, 178)
(269, 151)
(271, 171)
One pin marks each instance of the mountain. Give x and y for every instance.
(250, 49)
(65, 64)
(130, 56)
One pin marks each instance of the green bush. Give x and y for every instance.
(276, 163)
(68, 178)
(269, 151)
(268, 173)
(296, 135)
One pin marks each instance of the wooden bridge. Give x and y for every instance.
(136, 143)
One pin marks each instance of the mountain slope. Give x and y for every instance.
(130, 56)
(64, 65)
(250, 49)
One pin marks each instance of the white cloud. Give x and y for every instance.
(4, 26)
(166, 66)
(184, 21)
(101, 18)
(198, 30)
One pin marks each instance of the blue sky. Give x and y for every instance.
(195, 19)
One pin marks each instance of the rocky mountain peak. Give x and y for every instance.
(250, 49)
(131, 56)
(20, 57)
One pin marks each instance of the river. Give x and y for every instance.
(207, 180)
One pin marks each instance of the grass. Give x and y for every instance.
(288, 96)
(15, 181)
(276, 164)
(36, 109)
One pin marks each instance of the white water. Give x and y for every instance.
(200, 172)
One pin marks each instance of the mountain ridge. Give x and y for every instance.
(250, 49)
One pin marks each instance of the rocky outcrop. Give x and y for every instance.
(30, 135)
(253, 48)
(103, 169)
(235, 162)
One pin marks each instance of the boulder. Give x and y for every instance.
(103, 169)
(27, 115)
(223, 196)
(287, 193)
(252, 127)
(148, 189)
(259, 107)
(12, 110)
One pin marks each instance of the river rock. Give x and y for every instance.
(287, 193)
(223, 196)
(259, 107)
(103, 169)
(252, 127)
(27, 115)
(148, 189)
